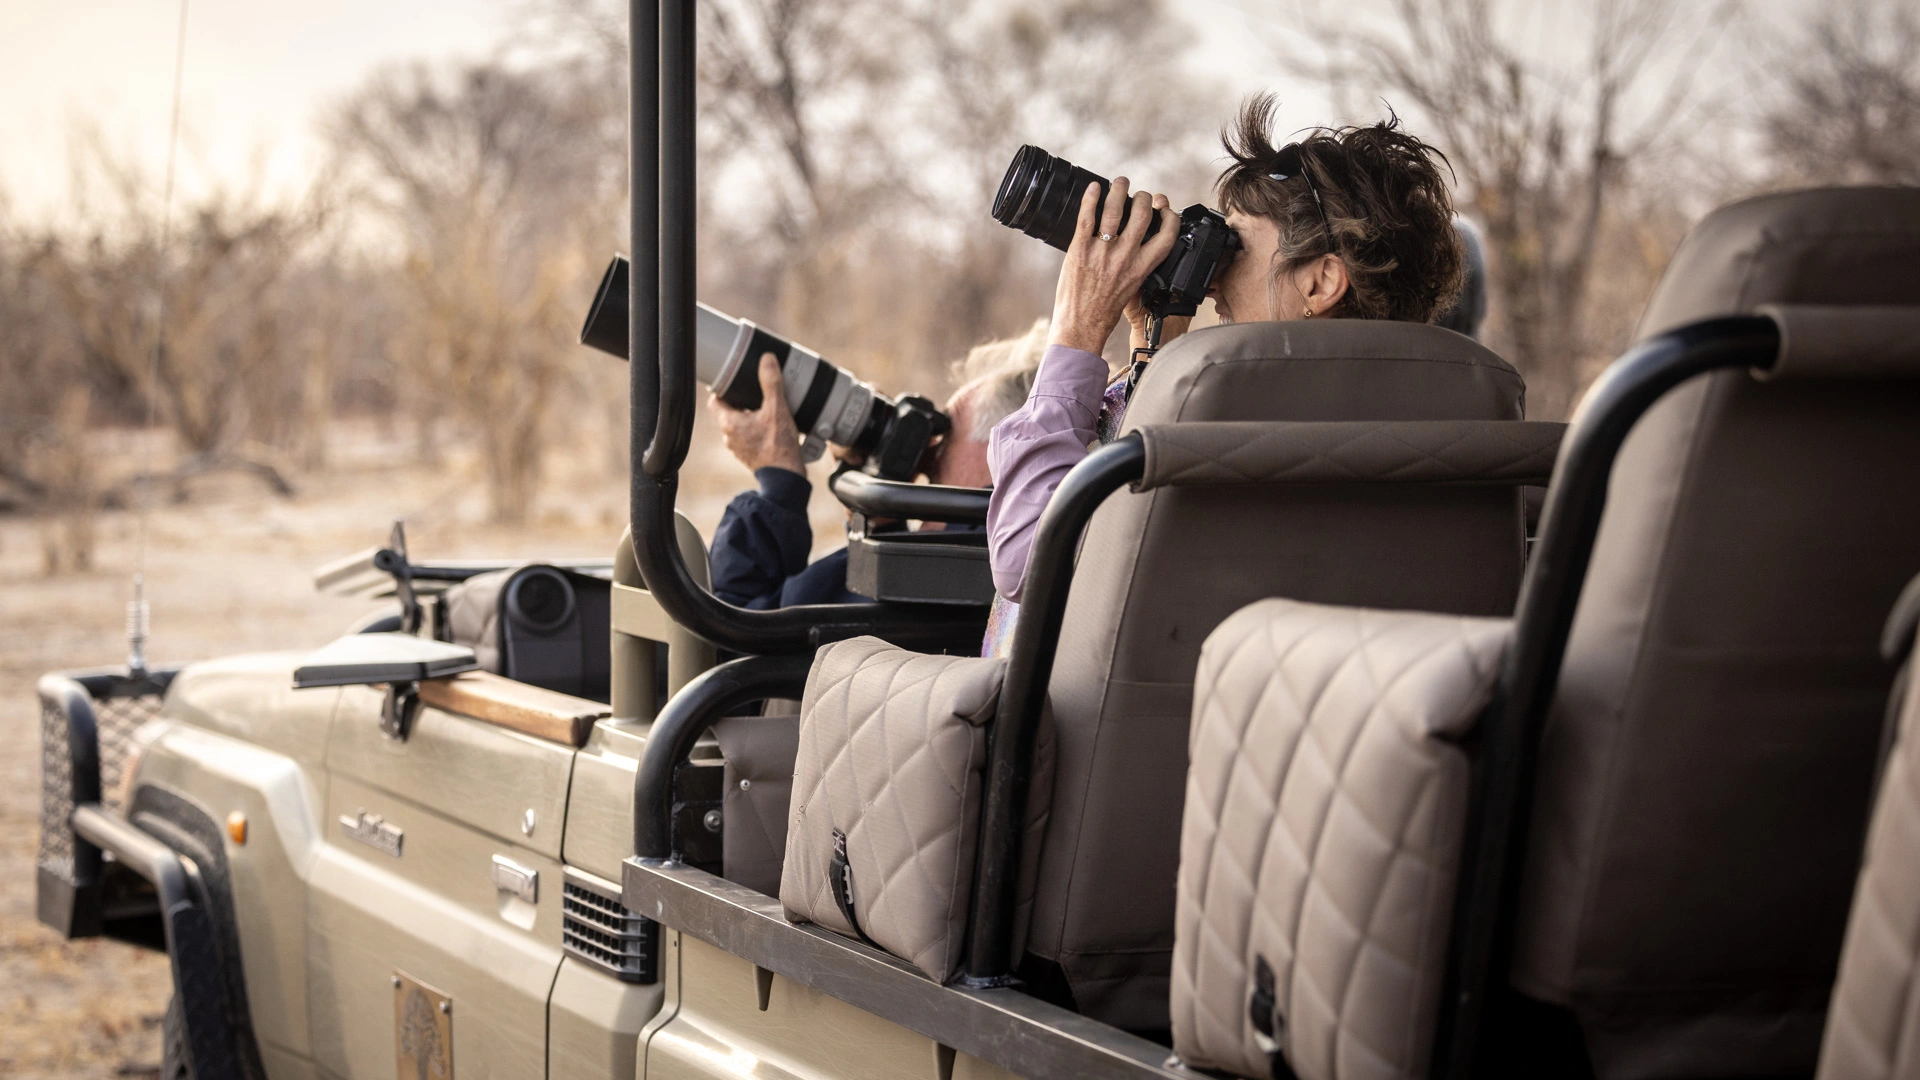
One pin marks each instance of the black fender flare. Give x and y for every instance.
(187, 828)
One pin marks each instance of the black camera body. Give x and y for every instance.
(1181, 281)
(1040, 196)
(899, 434)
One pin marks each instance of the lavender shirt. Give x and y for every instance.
(1034, 448)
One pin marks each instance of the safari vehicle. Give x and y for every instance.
(1310, 758)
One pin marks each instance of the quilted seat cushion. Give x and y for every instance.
(1873, 1025)
(887, 787)
(1326, 801)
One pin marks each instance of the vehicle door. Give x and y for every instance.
(434, 924)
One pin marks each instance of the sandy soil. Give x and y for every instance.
(228, 571)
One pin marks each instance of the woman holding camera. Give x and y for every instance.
(1350, 222)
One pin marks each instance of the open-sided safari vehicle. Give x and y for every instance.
(1307, 760)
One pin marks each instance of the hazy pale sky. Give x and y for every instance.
(259, 71)
(256, 73)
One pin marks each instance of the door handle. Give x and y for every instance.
(511, 877)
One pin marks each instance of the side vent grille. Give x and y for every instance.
(596, 927)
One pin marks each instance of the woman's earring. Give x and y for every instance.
(1309, 313)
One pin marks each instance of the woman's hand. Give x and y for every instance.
(765, 436)
(1101, 279)
(1170, 327)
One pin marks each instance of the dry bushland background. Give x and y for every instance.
(397, 342)
(434, 274)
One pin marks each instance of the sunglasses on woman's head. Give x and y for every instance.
(1289, 163)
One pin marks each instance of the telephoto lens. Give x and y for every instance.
(1040, 196)
(829, 405)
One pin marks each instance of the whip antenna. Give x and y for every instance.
(137, 613)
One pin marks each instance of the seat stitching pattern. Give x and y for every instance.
(1324, 732)
(1434, 452)
(891, 755)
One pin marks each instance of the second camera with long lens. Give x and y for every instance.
(829, 405)
(1040, 196)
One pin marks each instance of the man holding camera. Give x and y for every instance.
(758, 558)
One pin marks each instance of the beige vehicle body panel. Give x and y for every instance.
(238, 738)
(326, 920)
(461, 792)
(600, 801)
(713, 1027)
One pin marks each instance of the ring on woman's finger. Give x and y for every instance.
(1107, 236)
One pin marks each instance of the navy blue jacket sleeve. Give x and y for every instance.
(758, 558)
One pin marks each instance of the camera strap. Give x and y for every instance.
(1134, 371)
(1141, 355)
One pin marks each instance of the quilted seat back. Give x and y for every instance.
(882, 829)
(1325, 809)
(1160, 570)
(1873, 1025)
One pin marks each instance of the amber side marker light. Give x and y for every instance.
(237, 827)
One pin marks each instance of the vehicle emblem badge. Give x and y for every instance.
(422, 1030)
(373, 831)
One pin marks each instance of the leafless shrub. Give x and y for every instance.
(1101, 82)
(44, 457)
(193, 318)
(1848, 106)
(494, 187)
(850, 151)
(1543, 142)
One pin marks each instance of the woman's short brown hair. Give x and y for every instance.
(1386, 202)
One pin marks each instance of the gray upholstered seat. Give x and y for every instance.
(1158, 571)
(1700, 796)
(1705, 766)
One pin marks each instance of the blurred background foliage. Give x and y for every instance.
(433, 275)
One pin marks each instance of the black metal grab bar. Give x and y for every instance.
(918, 502)
(1023, 696)
(686, 717)
(1487, 895)
(661, 380)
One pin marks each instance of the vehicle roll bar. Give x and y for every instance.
(660, 342)
(919, 502)
(1487, 895)
(686, 717)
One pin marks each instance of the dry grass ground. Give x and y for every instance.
(228, 571)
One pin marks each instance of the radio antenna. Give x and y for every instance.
(137, 613)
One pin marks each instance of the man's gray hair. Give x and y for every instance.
(999, 375)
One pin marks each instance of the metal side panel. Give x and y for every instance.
(280, 802)
(594, 1023)
(600, 799)
(844, 1010)
(721, 1031)
(512, 787)
(403, 897)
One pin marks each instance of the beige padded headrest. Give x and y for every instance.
(1502, 452)
(1840, 246)
(1829, 342)
(1317, 369)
